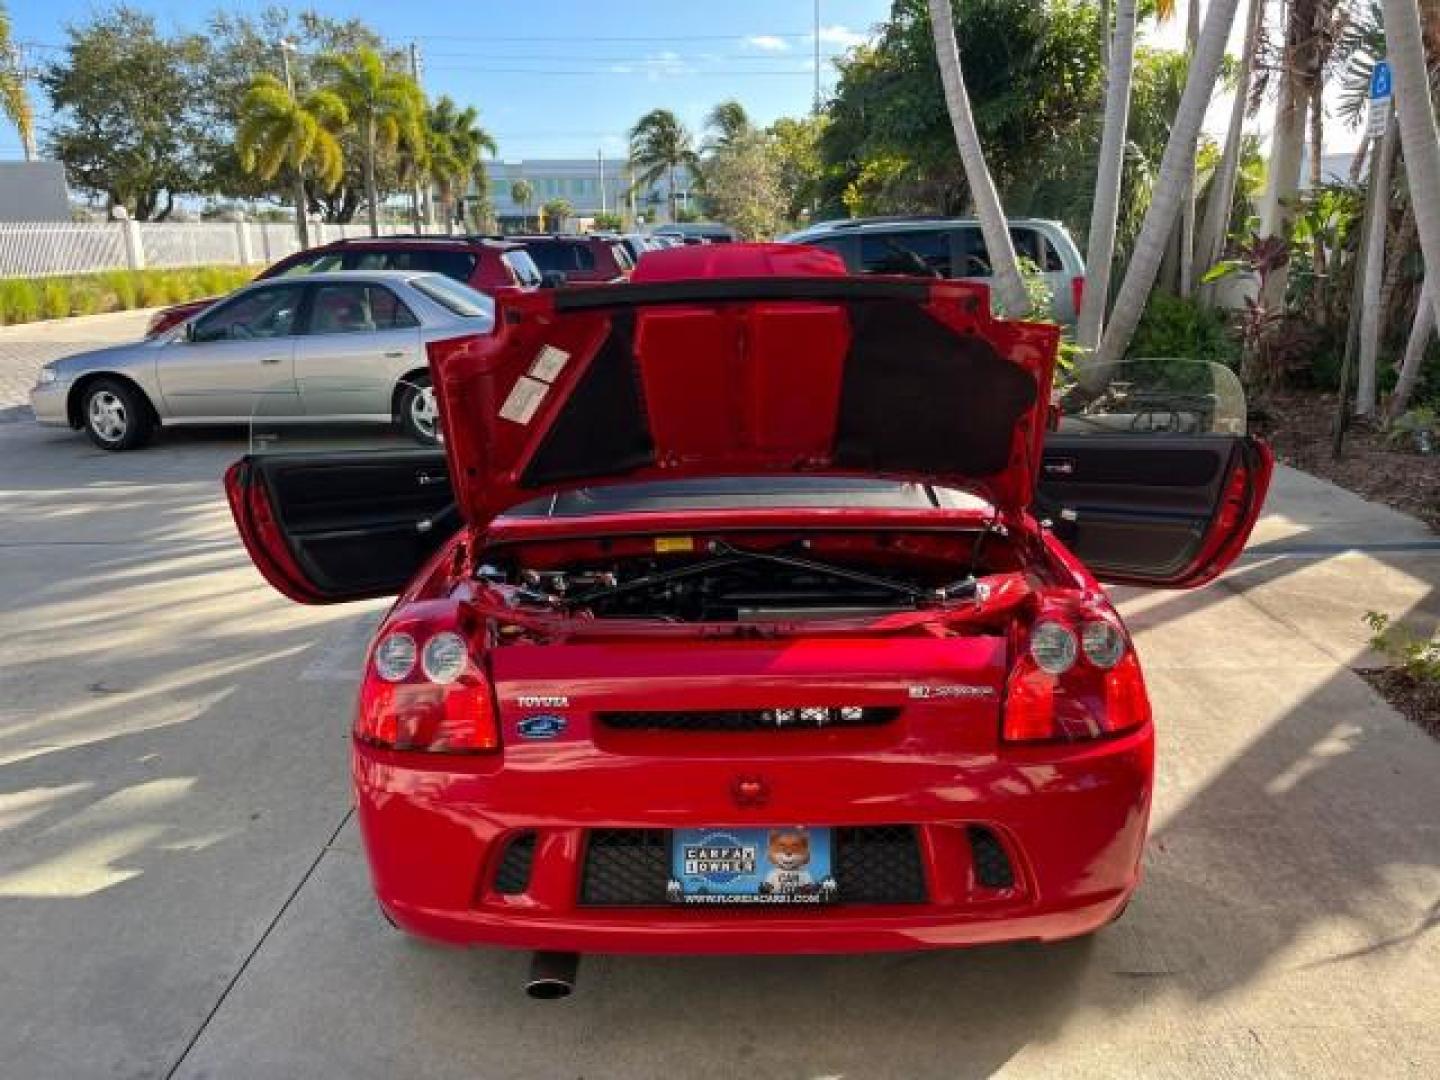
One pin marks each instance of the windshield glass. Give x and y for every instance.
(455, 297)
(747, 493)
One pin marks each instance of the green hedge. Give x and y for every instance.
(27, 299)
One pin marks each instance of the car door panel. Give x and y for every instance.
(324, 528)
(345, 373)
(1161, 510)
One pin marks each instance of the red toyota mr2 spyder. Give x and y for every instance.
(753, 607)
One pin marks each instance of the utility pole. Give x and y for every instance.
(419, 193)
(817, 57)
(600, 165)
(302, 225)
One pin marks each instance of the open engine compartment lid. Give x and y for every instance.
(745, 375)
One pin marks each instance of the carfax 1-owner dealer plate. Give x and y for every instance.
(780, 865)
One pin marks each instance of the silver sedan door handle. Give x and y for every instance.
(395, 355)
(271, 359)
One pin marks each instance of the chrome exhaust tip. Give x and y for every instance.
(552, 975)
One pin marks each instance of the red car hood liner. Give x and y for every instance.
(726, 377)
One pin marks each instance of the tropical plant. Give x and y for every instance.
(795, 146)
(386, 106)
(522, 192)
(659, 147)
(1172, 183)
(1009, 287)
(727, 123)
(14, 98)
(556, 212)
(742, 186)
(1418, 656)
(457, 142)
(278, 132)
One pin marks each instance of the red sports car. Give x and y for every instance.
(728, 622)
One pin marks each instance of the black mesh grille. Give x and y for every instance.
(879, 866)
(513, 874)
(800, 718)
(626, 866)
(992, 865)
(873, 865)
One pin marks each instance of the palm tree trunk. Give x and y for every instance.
(1421, 328)
(1004, 267)
(1170, 183)
(1287, 146)
(1374, 270)
(1418, 137)
(1106, 57)
(1187, 208)
(1105, 210)
(372, 194)
(670, 183)
(302, 222)
(1215, 225)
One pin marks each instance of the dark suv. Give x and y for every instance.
(483, 263)
(572, 259)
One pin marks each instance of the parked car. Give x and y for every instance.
(699, 232)
(953, 248)
(319, 348)
(579, 259)
(733, 630)
(483, 263)
(637, 244)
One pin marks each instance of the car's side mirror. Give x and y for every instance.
(189, 334)
(552, 280)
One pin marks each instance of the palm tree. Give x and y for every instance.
(1210, 242)
(14, 98)
(523, 193)
(276, 131)
(729, 121)
(1382, 162)
(659, 145)
(456, 143)
(993, 226)
(1105, 211)
(1171, 184)
(386, 105)
(1420, 330)
(1418, 138)
(557, 212)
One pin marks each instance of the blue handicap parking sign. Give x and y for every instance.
(1380, 83)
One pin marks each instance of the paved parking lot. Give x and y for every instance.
(181, 890)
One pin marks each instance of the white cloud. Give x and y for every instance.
(767, 43)
(842, 36)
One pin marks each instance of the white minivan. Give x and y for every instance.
(952, 248)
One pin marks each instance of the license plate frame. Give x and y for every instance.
(773, 865)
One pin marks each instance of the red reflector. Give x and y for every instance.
(1077, 293)
(1030, 705)
(457, 719)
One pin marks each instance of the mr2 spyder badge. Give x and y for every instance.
(541, 727)
(962, 690)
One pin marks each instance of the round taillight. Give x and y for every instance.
(443, 659)
(395, 657)
(1103, 643)
(1054, 647)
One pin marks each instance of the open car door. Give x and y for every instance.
(327, 519)
(1150, 478)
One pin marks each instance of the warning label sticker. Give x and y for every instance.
(525, 398)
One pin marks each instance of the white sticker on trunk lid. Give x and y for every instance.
(549, 363)
(525, 397)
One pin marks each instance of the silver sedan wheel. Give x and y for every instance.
(424, 416)
(108, 418)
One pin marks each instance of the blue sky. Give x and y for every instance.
(563, 78)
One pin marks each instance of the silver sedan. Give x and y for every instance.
(328, 348)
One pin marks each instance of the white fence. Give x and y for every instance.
(44, 249)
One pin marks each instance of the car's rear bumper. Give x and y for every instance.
(1072, 823)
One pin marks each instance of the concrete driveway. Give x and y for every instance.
(182, 893)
